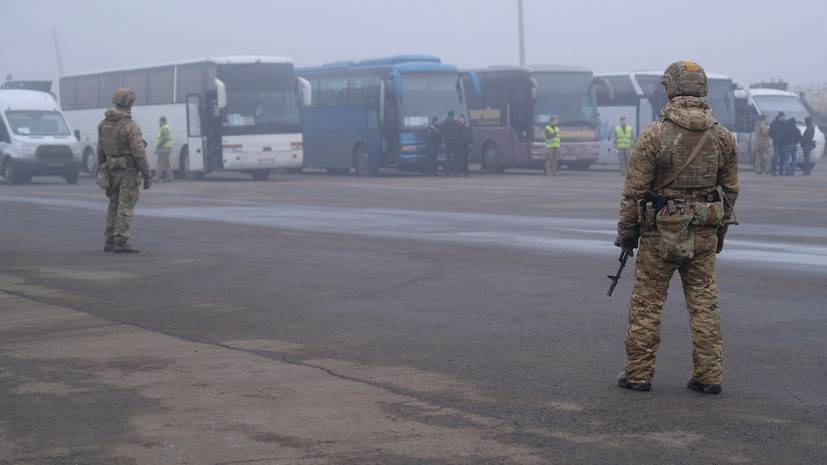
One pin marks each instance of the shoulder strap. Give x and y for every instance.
(695, 151)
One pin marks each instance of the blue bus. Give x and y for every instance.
(373, 114)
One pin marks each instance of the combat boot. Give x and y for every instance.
(624, 383)
(109, 246)
(124, 247)
(696, 385)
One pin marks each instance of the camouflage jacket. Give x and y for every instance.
(762, 135)
(665, 146)
(120, 136)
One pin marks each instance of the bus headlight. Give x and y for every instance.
(296, 145)
(408, 148)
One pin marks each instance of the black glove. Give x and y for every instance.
(721, 234)
(628, 244)
(147, 182)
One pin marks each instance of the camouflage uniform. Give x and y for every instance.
(658, 155)
(121, 152)
(762, 147)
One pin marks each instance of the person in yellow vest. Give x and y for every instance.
(623, 143)
(552, 133)
(163, 148)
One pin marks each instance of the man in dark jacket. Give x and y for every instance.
(792, 137)
(808, 144)
(465, 148)
(452, 133)
(434, 141)
(777, 136)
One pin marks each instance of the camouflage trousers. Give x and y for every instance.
(623, 160)
(163, 168)
(700, 289)
(762, 161)
(123, 195)
(552, 161)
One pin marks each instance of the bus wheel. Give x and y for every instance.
(184, 165)
(489, 159)
(361, 161)
(260, 175)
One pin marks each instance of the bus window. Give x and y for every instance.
(333, 92)
(160, 86)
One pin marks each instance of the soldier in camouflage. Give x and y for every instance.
(762, 145)
(689, 161)
(121, 154)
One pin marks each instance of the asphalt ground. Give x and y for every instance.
(396, 319)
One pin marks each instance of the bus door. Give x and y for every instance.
(195, 141)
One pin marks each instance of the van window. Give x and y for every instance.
(37, 123)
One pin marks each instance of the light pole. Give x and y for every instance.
(521, 31)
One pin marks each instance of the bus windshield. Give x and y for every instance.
(770, 105)
(427, 96)
(37, 123)
(570, 96)
(261, 99)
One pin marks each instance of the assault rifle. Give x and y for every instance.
(624, 256)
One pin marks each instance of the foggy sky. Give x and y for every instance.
(744, 39)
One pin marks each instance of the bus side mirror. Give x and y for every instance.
(306, 91)
(397, 84)
(534, 86)
(221, 94)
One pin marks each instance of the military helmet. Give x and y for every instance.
(123, 97)
(685, 78)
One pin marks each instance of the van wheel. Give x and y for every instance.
(260, 175)
(13, 176)
(361, 161)
(72, 175)
(90, 163)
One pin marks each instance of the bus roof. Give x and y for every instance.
(762, 92)
(659, 74)
(18, 99)
(538, 68)
(225, 60)
(400, 63)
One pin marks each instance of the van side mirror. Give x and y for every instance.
(77, 134)
(221, 94)
(306, 91)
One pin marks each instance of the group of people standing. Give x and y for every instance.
(457, 136)
(784, 138)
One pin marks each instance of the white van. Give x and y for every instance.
(749, 103)
(35, 139)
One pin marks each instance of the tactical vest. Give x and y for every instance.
(700, 178)
(116, 145)
(623, 137)
(552, 137)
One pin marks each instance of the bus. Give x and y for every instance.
(749, 103)
(237, 113)
(372, 114)
(514, 106)
(640, 97)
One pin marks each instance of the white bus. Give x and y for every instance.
(226, 114)
(640, 97)
(750, 103)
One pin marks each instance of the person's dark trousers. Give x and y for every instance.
(808, 168)
(777, 156)
(464, 161)
(790, 155)
(431, 163)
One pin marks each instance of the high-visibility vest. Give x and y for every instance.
(623, 137)
(164, 138)
(552, 137)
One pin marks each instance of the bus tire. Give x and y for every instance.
(361, 161)
(184, 171)
(488, 159)
(260, 175)
(90, 162)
